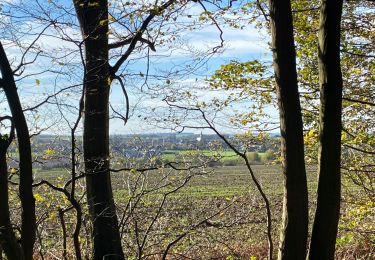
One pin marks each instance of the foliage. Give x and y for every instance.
(357, 235)
(246, 81)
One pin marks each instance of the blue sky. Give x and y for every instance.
(246, 44)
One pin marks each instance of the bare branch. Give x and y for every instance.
(138, 35)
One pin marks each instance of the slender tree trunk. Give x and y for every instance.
(8, 239)
(28, 227)
(93, 18)
(327, 214)
(293, 241)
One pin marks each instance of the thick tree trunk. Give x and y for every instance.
(93, 18)
(293, 241)
(28, 227)
(327, 214)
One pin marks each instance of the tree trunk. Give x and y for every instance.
(293, 240)
(28, 226)
(8, 239)
(327, 214)
(93, 18)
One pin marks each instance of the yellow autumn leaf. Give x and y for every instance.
(38, 197)
(93, 4)
(49, 152)
(102, 22)
(52, 216)
(111, 18)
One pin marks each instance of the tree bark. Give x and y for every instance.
(8, 240)
(293, 240)
(28, 226)
(93, 19)
(327, 214)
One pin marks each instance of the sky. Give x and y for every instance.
(239, 44)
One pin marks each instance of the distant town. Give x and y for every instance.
(51, 151)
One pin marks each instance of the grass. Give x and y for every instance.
(220, 181)
(170, 155)
(225, 155)
(243, 223)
